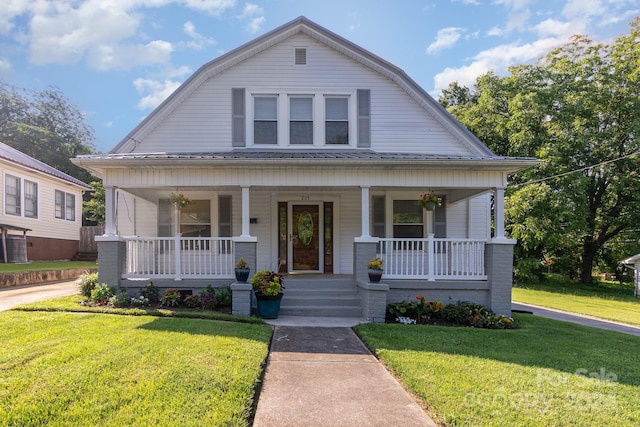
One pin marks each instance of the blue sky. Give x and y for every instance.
(118, 59)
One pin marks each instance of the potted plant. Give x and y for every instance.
(374, 269)
(180, 200)
(267, 286)
(429, 201)
(242, 270)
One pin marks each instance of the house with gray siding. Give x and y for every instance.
(306, 154)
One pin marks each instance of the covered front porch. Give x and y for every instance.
(458, 268)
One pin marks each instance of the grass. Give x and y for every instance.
(545, 373)
(45, 266)
(606, 300)
(93, 369)
(72, 304)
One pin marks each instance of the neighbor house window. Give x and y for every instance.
(408, 219)
(301, 120)
(265, 120)
(12, 195)
(337, 120)
(65, 205)
(30, 199)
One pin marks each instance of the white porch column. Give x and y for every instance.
(109, 210)
(498, 213)
(366, 234)
(245, 212)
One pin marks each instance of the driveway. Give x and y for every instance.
(16, 295)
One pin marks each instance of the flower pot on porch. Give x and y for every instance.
(268, 305)
(430, 206)
(242, 274)
(374, 275)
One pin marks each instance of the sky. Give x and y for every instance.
(116, 60)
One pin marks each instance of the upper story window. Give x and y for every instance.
(301, 120)
(337, 120)
(265, 120)
(65, 205)
(20, 197)
(298, 118)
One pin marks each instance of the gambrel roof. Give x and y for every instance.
(326, 37)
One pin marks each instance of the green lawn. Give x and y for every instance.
(607, 300)
(45, 265)
(545, 373)
(87, 369)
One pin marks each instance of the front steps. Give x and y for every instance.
(320, 296)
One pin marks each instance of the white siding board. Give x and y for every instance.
(350, 228)
(202, 122)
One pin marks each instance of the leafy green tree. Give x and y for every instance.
(578, 111)
(46, 126)
(93, 209)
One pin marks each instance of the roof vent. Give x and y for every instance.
(301, 56)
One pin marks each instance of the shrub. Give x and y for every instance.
(120, 298)
(267, 282)
(101, 293)
(151, 293)
(462, 313)
(170, 298)
(192, 301)
(208, 299)
(139, 302)
(223, 296)
(87, 283)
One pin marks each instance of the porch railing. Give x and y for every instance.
(433, 258)
(179, 257)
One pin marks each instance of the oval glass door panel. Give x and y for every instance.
(305, 228)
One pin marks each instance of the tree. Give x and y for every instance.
(578, 111)
(45, 126)
(93, 209)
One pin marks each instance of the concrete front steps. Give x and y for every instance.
(320, 296)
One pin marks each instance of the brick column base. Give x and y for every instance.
(499, 268)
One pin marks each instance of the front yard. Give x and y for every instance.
(545, 373)
(87, 369)
(606, 300)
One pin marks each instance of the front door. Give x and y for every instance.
(305, 239)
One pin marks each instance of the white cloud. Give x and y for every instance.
(250, 10)
(445, 39)
(198, 41)
(253, 12)
(213, 7)
(255, 24)
(583, 8)
(154, 91)
(129, 56)
(498, 59)
(563, 30)
(5, 68)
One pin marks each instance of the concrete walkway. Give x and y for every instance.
(576, 318)
(325, 376)
(16, 295)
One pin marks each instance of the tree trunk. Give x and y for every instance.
(589, 251)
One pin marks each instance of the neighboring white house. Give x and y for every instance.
(41, 201)
(305, 153)
(634, 263)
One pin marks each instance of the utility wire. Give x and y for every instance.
(535, 181)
